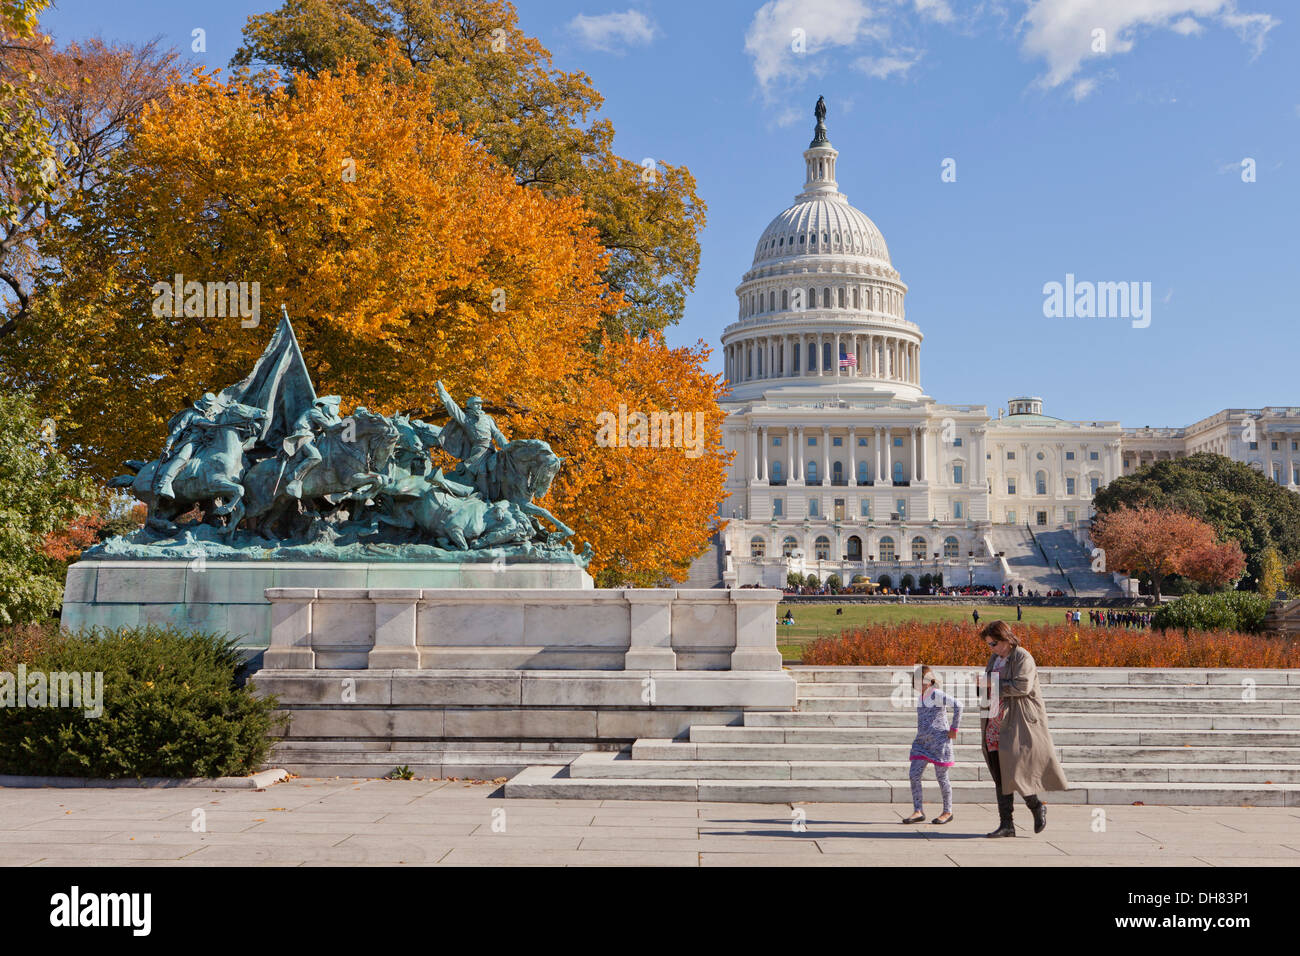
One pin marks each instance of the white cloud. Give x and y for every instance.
(613, 32)
(882, 67)
(780, 26)
(1063, 32)
(936, 10)
(1083, 88)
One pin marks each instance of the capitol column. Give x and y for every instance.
(853, 455)
(763, 437)
(821, 366)
(916, 469)
(835, 355)
(889, 456)
(826, 455)
(791, 442)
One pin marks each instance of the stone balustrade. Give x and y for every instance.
(650, 629)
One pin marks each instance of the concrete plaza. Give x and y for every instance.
(351, 822)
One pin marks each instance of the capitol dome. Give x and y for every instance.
(822, 304)
(819, 226)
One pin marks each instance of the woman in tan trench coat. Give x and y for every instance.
(1017, 745)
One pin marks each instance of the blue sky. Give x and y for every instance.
(1116, 164)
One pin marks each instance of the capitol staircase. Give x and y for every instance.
(1050, 559)
(1175, 737)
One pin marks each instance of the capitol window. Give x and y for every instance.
(822, 548)
(1092, 456)
(864, 507)
(950, 547)
(1069, 456)
(956, 474)
(862, 443)
(812, 507)
(837, 441)
(956, 443)
(887, 548)
(1011, 456)
(788, 546)
(778, 507)
(812, 440)
(757, 547)
(1011, 486)
(957, 510)
(1069, 486)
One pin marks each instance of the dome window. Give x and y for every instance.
(801, 240)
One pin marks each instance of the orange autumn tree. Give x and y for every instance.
(406, 254)
(640, 430)
(1161, 542)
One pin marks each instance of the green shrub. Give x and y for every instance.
(1240, 611)
(812, 581)
(793, 579)
(833, 582)
(171, 708)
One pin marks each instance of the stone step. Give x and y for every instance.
(353, 760)
(1070, 691)
(552, 784)
(1103, 721)
(606, 765)
(1061, 736)
(660, 749)
(1116, 676)
(1077, 705)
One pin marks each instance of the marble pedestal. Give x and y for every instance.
(230, 596)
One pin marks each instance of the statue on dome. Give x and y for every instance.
(819, 110)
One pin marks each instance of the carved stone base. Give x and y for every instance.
(230, 596)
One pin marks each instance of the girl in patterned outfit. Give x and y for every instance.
(933, 744)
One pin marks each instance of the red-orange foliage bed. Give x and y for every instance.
(1053, 645)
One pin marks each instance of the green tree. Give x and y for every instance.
(501, 85)
(27, 158)
(39, 500)
(1239, 502)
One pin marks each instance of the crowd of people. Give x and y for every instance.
(1110, 617)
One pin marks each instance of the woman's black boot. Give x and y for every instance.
(1005, 807)
(1039, 810)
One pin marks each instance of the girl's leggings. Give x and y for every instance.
(945, 788)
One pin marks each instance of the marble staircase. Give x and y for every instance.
(1185, 737)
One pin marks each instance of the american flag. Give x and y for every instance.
(847, 360)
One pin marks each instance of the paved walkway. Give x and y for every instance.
(331, 822)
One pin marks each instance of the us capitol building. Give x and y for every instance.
(843, 465)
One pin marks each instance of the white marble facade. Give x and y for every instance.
(844, 465)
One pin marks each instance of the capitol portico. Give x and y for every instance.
(844, 465)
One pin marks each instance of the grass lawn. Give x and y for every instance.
(820, 620)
